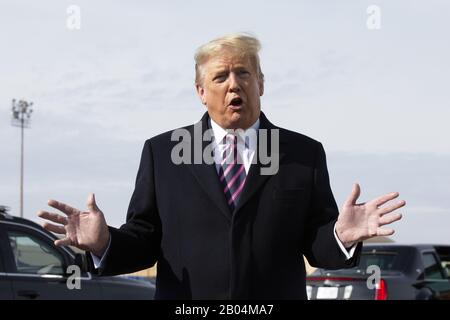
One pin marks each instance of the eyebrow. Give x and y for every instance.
(220, 70)
(242, 69)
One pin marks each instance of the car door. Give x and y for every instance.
(37, 268)
(6, 292)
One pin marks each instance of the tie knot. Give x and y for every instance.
(229, 139)
(229, 149)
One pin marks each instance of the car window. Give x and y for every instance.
(385, 260)
(33, 255)
(432, 267)
(446, 266)
(444, 255)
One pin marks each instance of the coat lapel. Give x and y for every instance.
(255, 179)
(206, 175)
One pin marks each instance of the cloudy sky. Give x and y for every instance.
(377, 99)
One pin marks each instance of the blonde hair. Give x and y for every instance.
(238, 44)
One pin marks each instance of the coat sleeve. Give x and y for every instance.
(136, 244)
(320, 246)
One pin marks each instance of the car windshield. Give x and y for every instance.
(386, 261)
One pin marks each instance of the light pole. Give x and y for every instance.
(21, 113)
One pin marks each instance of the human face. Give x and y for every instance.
(231, 88)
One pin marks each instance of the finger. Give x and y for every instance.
(68, 210)
(52, 217)
(385, 232)
(90, 203)
(62, 242)
(385, 198)
(387, 219)
(391, 207)
(354, 195)
(54, 228)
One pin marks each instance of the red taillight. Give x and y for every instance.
(381, 290)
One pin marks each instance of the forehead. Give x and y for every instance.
(227, 61)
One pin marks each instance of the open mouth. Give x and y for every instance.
(236, 102)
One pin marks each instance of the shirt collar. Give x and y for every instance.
(220, 133)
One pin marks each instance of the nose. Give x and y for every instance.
(234, 83)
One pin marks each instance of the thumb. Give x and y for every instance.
(90, 203)
(354, 195)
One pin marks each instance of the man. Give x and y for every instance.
(225, 230)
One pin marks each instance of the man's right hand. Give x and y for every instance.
(86, 230)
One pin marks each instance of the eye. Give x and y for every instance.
(243, 73)
(220, 78)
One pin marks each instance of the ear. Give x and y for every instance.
(261, 86)
(201, 93)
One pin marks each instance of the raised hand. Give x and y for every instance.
(86, 230)
(358, 222)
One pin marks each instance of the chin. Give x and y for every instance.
(236, 120)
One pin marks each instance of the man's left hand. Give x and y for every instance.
(358, 222)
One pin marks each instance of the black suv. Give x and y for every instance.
(32, 267)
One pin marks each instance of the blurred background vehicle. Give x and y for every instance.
(32, 267)
(407, 272)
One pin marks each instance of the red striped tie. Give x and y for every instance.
(231, 173)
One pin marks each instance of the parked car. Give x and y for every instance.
(407, 272)
(32, 267)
